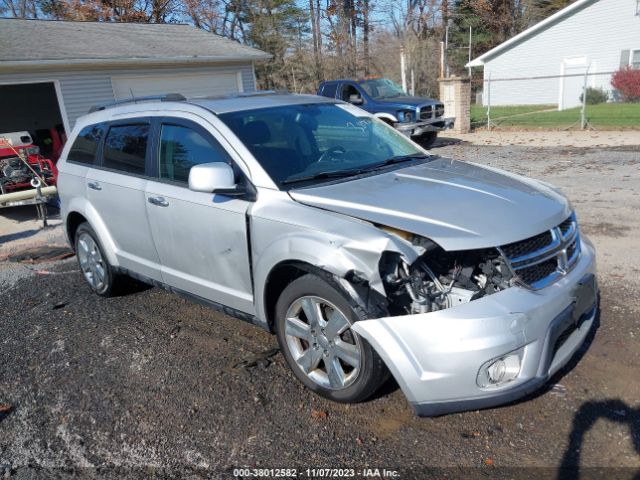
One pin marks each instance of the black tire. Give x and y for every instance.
(371, 373)
(112, 282)
(426, 140)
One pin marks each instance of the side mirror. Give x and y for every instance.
(216, 177)
(355, 99)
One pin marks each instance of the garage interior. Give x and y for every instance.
(34, 107)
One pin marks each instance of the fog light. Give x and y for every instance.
(504, 370)
(499, 371)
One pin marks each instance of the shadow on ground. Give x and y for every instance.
(446, 141)
(588, 414)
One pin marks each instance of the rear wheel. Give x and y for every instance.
(94, 265)
(313, 326)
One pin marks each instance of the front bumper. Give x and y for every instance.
(418, 128)
(436, 357)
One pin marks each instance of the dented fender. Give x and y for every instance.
(332, 242)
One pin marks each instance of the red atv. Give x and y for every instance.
(20, 162)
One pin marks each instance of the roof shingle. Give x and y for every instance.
(60, 41)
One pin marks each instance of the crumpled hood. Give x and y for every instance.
(458, 205)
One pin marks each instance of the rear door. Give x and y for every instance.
(201, 238)
(116, 189)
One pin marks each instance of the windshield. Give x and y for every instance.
(382, 88)
(310, 143)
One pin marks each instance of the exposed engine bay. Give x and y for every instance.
(439, 279)
(14, 172)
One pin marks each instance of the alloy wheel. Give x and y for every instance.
(91, 262)
(321, 342)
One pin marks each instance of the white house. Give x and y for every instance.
(550, 58)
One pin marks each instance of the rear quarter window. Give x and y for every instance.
(85, 146)
(125, 148)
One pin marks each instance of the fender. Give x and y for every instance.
(386, 116)
(82, 206)
(327, 249)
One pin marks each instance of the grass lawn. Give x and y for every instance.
(479, 113)
(604, 116)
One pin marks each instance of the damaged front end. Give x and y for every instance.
(476, 328)
(439, 279)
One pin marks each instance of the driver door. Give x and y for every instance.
(349, 91)
(201, 238)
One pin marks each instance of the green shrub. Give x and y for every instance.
(595, 96)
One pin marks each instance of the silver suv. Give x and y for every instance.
(362, 252)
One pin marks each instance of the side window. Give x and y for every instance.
(85, 146)
(181, 148)
(125, 148)
(348, 90)
(329, 90)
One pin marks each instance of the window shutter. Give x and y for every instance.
(624, 58)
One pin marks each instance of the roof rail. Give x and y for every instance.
(169, 97)
(255, 93)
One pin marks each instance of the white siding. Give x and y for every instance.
(600, 32)
(82, 89)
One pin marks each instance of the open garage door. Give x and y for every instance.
(35, 108)
(199, 85)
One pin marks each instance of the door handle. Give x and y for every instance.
(159, 201)
(94, 186)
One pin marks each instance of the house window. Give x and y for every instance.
(634, 59)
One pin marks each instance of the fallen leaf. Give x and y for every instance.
(5, 408)
(488, 462)
(319, 414)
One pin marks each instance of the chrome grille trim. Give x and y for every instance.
(424, 112)
(563, 249)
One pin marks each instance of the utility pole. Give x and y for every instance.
(403, 69)
(583, 110)
(446, 49)
(470, 50)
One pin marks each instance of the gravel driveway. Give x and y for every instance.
(150, 384)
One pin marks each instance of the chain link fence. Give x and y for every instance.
(575, 100)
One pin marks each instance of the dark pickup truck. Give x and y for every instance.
(417, 117)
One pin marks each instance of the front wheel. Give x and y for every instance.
(313, 326)
(426, 140)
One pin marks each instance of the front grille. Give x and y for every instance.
(540, 260)
(535, 273)
(426, 112)
(439, 110)
(528, 246)
(565, 227)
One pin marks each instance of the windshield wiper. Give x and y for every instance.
(355, 171)
(397, 159)
(322, 175)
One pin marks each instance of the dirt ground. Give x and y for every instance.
(568, 138)
(148, 384)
